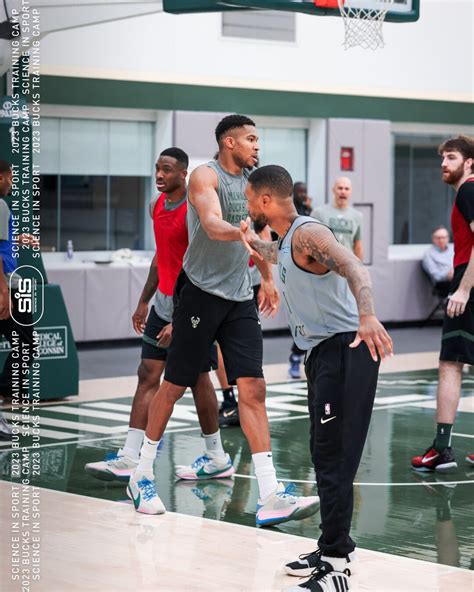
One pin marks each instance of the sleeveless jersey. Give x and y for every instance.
(171, 240)
(220, 267)
(318, 306)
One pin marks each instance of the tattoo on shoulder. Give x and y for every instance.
(269, 251)
(318, 244)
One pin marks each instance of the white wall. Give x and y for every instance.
(430, 59)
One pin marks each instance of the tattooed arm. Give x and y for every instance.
(257, 248)
(316, 250)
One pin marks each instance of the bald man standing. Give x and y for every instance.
(342, 219)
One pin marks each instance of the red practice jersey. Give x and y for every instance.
(171, 239)
(461, 216)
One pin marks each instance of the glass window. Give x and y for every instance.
(84, 212)
(127, 212)
(49, 210)
(421, 200)
(286, 147)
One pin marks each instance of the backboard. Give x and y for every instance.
(400, 11)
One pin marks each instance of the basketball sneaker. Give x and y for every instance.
(324, 580)
(206, 466)
(115, 467)
(5, 429)
(141, 489)
(306, 564)
(294, 369)
(229, 414)
(282, 506)
(470, 459)
(432, 460)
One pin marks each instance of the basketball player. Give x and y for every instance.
(457, 342)
(328, 297)
(168, 212)
(216, 302)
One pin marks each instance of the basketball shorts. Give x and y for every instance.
(152, 351)
(457, 341)
(199, 320)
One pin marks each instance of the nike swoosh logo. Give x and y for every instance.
(428, 458)
(136, 501)
(329, 419)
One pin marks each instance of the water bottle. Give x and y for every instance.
(69, 250)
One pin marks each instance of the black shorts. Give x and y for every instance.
(200, 319)
(152, 351)
(457, 341)
(150, 347)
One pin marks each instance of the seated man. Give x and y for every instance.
(438, 260)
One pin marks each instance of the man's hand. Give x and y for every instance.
(457, 302)
(139, 317)
(247, 235)
(164, 336)
(5, 302)
(373, 333)
(268, 298)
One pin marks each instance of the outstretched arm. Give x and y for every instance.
(259, 249)
(203, 196)
(318, 248)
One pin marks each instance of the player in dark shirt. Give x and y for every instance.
(457, 345)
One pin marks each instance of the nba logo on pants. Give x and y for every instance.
(327, 409)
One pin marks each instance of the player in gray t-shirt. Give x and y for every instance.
(342, 219)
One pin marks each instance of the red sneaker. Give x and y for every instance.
(470, 459)
(432, 460)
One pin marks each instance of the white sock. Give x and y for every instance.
(214, 444)
(133, 443)
(147, 456)
(265, 473)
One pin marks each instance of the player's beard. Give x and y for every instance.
(259, 223)
(452, 177)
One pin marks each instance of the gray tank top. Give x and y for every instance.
(220, 267)
(318, 306)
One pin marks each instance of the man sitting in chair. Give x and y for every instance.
(438, 260)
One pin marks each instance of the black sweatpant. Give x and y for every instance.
(341, 391)
(21, 337)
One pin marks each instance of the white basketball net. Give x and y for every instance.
(363, 26)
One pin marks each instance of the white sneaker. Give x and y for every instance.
(115, 467)
(332, 581)
(283, 505)
(306, 564)
(141, 489)
(206, 466)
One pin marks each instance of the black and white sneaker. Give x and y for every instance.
(306, 564)
(324, 580)
(229, 414)
(5, 429)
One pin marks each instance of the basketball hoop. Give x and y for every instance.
(363, 20)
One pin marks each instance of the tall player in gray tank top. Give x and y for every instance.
(215, 303)
(328, 297)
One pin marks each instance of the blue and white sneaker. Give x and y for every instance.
(141, 490)
(282, 506)
(115, 467)
(294, 369)
(206, 466)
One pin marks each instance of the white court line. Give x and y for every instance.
(401, 399)
(463, 435)
(368, 484)
(81, 412)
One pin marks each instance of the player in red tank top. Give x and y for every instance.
(457, 345)
(168, 212)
